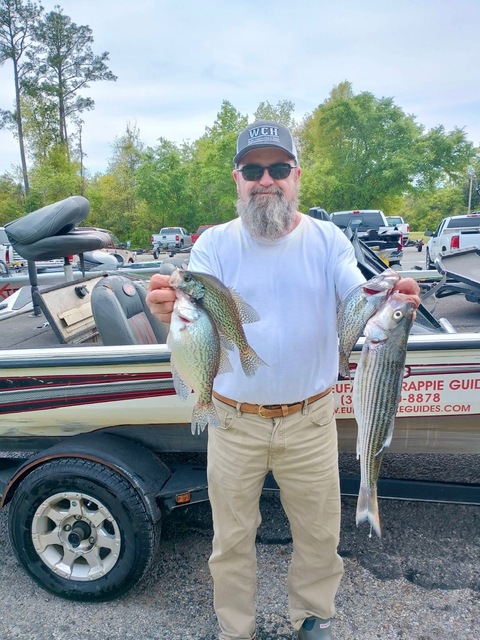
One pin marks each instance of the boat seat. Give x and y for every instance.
(121, 313)
(50, 232)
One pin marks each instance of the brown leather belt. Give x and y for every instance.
(271, 410)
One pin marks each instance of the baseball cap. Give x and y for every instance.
(263, 134)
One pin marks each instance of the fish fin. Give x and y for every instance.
(388, 438)
(250, 361)
(367, 509)
(344, 367)
(225, 366)
(202, 415)
(246, 312)
(225, 341)
(182, 389)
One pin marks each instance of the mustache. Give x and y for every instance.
(258, 190)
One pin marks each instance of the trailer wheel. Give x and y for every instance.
(428, 263)
(156, 254)
(81, 531)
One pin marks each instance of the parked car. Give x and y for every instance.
(199, 231)
(123, 254)
(371, 226)
(397, 222)
(318, 213)
(8, 257)
(453, 232)
(170, 238)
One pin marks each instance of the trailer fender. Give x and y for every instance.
(140, 466)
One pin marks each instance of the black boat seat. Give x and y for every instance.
(121, 313)
(50, 232)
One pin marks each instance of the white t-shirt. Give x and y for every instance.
(294, 284)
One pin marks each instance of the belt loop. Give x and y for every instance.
(305, 408)
(284, 408)
(238, 407)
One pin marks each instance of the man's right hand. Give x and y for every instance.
(161, 297)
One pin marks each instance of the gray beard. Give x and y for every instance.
(267, 218)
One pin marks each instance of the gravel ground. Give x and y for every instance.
(421, 582)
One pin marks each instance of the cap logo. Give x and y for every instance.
(263, 134)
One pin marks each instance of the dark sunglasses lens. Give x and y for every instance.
(252, 172)
(280, 170)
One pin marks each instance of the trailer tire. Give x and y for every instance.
(81, 531)
(156, 254)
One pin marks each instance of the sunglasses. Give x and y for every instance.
(277, 171)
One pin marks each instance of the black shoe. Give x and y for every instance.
(315, 629)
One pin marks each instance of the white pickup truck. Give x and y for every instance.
(170, 238)
(398, 223)
(454, 232)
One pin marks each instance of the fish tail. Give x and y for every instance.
(203, 414)
(367, 509)
(250, 361)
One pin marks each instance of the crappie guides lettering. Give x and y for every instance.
(424, 394)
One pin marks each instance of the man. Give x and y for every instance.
(292, 269)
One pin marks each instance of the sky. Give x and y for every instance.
(178, 60)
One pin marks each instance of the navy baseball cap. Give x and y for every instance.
(263, 134)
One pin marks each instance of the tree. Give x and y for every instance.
(163, 182)
(17, 22)
(363, 152)
(282, 112)
(113, 197)
(211, 180)
(61, 64)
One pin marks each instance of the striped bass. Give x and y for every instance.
(354, 312)
(376, 394)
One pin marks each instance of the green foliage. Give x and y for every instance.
(11, 199)
(61, 63)
(52, 179)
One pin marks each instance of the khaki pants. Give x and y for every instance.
(301, 450)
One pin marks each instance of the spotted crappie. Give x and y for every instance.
(376, 393)
(196, 358)
(354, 312)
(226, 308)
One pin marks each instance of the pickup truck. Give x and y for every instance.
(453, 232)
(169, 238)
(199, 231)
(371, 226)
(398, 223)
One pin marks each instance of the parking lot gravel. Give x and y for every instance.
(420, 582)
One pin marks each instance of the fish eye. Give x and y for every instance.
(187, 276)
(397, 315)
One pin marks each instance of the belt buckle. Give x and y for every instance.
(259, 411)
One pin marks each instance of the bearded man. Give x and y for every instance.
(293, 270)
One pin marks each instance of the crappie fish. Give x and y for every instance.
(226, 308)
(376, 393)
(354, 312)
(196, 358)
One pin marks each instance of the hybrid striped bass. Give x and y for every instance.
(376, 394)
(354, 312)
